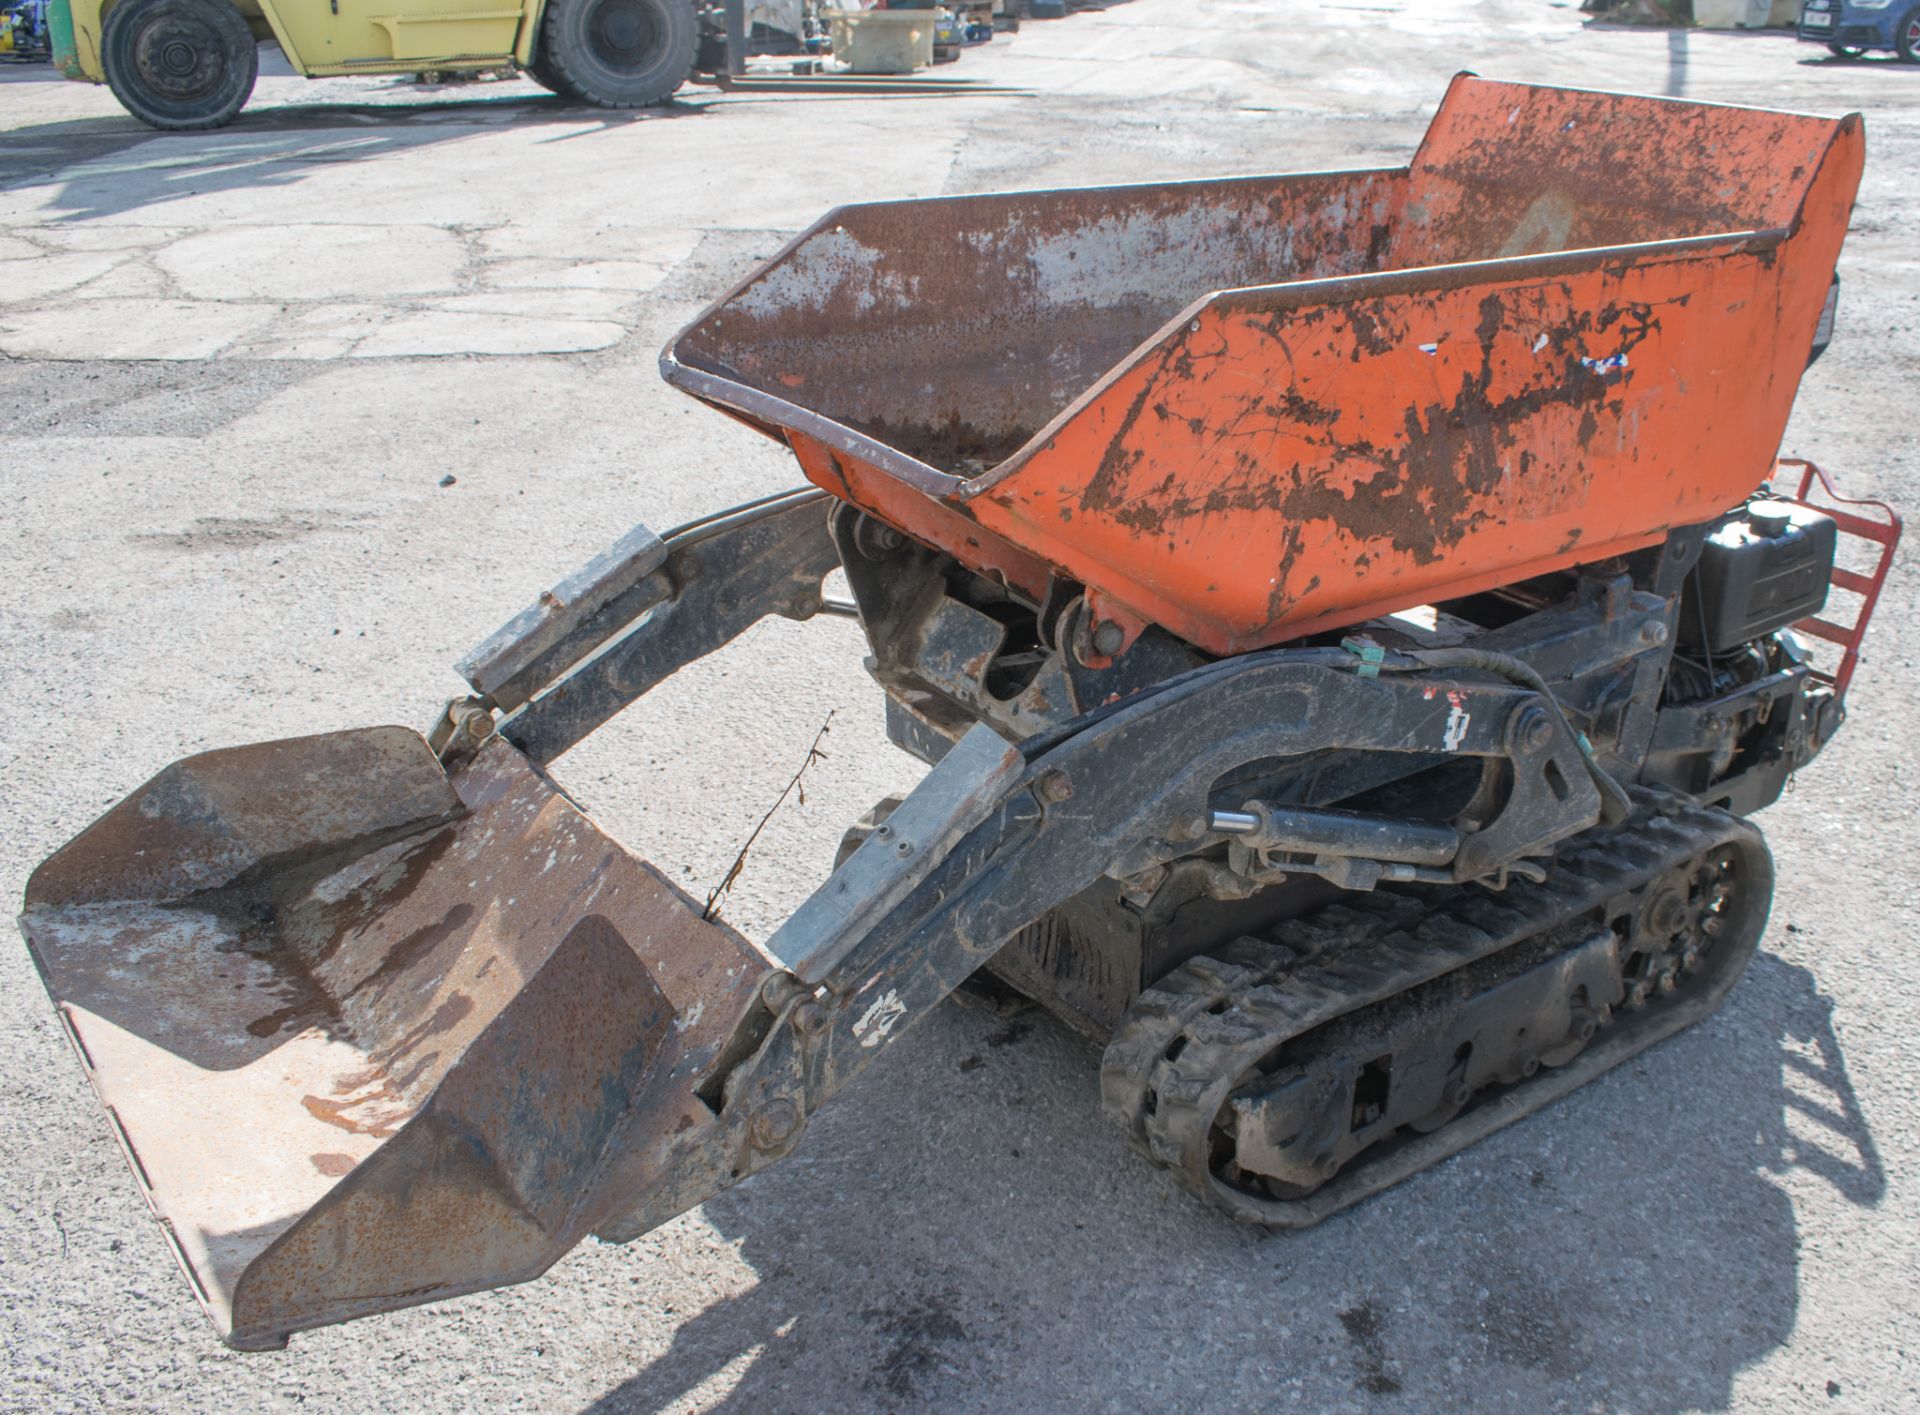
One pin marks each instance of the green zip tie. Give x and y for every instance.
(1370, 654)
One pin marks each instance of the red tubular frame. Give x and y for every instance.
(1883, 532)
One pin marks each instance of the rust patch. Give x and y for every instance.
(310, 1009)
(378, 1114)
(1431, 485)
(1104, 489)
(951, 444)
(1369, 335)
(410, 950)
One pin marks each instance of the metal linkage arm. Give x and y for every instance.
(646, 608)
(998, 834)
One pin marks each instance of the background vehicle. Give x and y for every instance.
(1851, 27)
(182, 64)
(23, 30)
(1341, 616)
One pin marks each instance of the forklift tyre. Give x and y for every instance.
(540, 69)
(179, 65)
(620, 53)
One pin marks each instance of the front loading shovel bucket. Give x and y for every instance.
(371, 1032)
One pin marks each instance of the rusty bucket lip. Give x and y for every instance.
(762, 407)
(713, 386)
(1671, 100)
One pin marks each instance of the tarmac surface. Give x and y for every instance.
(237, 368)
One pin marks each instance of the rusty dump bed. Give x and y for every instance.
(1252, 409)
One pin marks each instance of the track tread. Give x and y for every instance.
(1191, 1038)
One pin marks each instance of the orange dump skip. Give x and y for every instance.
(1251, 409)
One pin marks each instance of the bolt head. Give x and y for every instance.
(1532, 729)
(1107, 637)
(774, 1125)
(1668, 913)
(1055, 786)
(1474, 859)
(876, 539)
(1653, 634)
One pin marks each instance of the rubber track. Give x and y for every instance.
(1190, 1039)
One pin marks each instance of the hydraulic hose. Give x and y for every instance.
(1615, 805)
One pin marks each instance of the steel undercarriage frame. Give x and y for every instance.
(1007, 838)
(943, 640)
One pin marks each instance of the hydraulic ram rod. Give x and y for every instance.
(1329, 832)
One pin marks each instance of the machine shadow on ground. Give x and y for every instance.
(1820, 59)
(277, 147)
(267, 147)
(1650, 1214)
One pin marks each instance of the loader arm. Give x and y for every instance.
(644, 609)
(458, 1027)
(998, 834)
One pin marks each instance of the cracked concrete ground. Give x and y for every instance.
(238, 367)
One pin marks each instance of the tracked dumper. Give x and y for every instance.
(1348, 617)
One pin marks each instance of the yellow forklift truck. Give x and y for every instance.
(185, 64)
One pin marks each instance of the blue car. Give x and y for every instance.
(1851, 27)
